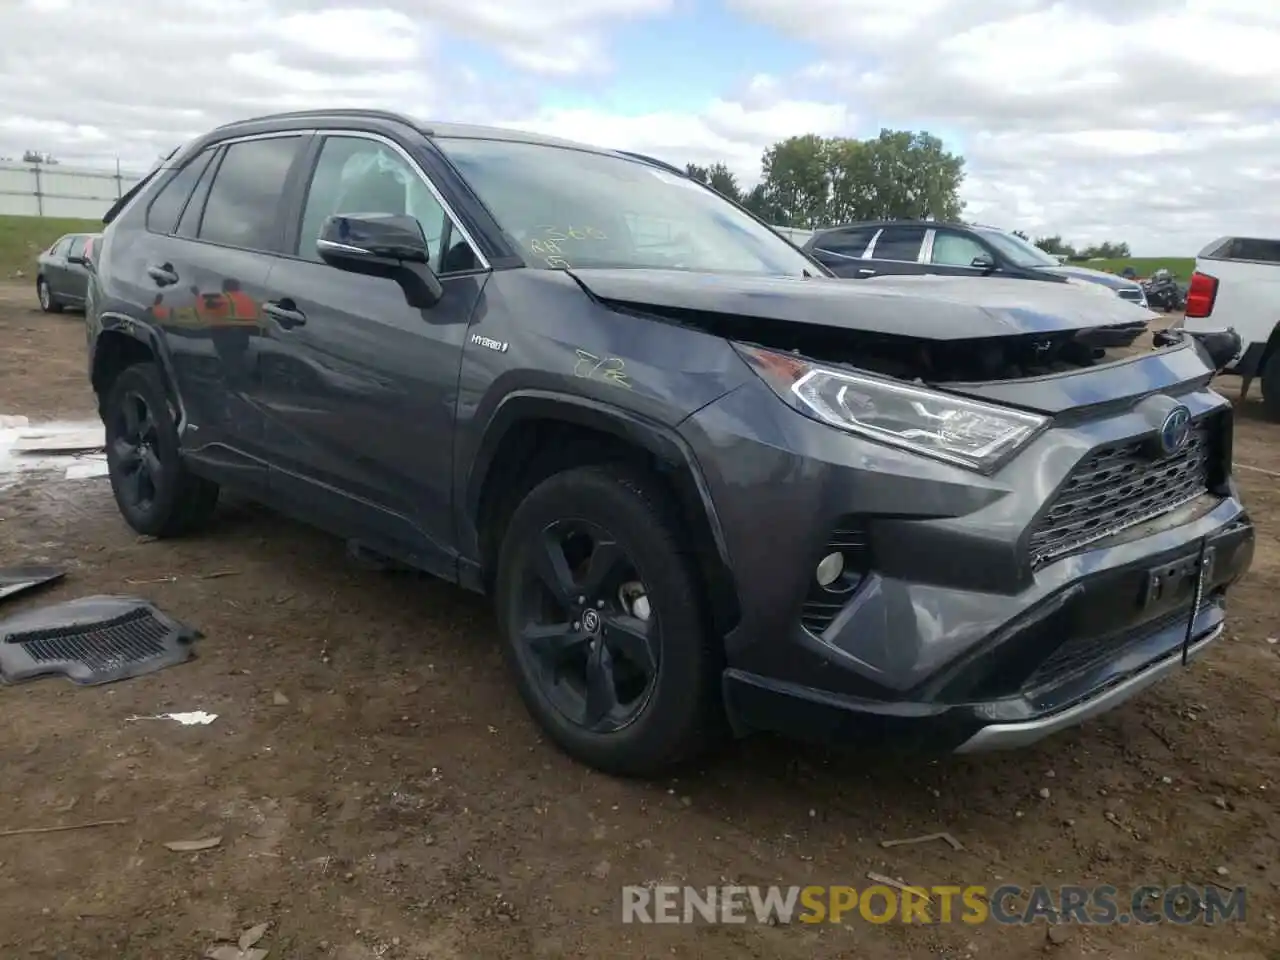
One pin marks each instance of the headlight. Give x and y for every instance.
(965, 432)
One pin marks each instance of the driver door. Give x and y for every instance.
(358, 387)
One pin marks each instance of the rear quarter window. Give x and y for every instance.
(1251, 249)
(166, 208)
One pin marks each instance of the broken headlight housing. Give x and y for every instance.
(965, 432)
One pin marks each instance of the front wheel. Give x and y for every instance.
(600, 608)
(156, 494)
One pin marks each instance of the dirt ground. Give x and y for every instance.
(380, 792)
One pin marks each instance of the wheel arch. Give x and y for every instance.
(121, 342)
(533, 434)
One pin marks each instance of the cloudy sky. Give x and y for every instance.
(1155, 122)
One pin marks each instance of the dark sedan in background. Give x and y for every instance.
(62, 274)
(895, 247)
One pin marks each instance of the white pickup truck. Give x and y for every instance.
(1237, 284)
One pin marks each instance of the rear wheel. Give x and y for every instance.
(599, 604)
(47, 302)
(156, 494)
(1271, 386)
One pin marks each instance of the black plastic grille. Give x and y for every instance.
(130, 638)
(1120, 485)
(1131, 294)
(823, 604)
(1080, 653)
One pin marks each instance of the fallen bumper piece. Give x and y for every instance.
(92, 640)
(16, 580)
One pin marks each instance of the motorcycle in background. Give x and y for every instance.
(1164, 292)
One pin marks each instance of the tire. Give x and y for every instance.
(48, 303)
(679, 712)
(1270, 377)
(156, 494)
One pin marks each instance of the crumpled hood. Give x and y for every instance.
(929, 307)
(1100, 277)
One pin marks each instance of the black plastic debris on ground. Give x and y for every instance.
(16, 580)
(92, 640)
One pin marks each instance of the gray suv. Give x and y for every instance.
(710, 487)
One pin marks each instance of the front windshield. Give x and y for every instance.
(574, 208)
(1023, 254)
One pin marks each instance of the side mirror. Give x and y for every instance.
(77, 259)
(392, 246)
(984, 262)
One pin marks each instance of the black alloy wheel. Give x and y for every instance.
(134, 439)
(601, 607)
(588, 636)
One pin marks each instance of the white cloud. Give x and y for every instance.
(1157, 123)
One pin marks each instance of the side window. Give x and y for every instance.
(846, 243)
(952, 249)
(357, 175)
(189, 224)
(59, 249)
(77, 247)
(1247, 248)
(162, 215)
(899, 243)
(244, 201)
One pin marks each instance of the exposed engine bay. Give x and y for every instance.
(986, 359)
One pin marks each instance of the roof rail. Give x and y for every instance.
(653, 161)
(334, 112)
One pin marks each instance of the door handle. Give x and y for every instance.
(285, 313)
(163, 275)
(866, 272)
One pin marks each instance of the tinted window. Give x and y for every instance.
(899, 243)
(189, 225)
(77, 247)
(955, 249)
(59, 249)
(162, 215)
(846, 243)
(1246, 248)
(566, 207)
(356, 175)
(243, 205)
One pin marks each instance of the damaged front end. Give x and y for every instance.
(978, 507)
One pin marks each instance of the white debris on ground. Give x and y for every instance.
(74, 449)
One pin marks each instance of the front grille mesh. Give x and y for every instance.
(1117, 486)
(129, 638)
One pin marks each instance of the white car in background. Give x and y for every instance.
(1237, 284)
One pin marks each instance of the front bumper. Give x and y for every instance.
(952, 640)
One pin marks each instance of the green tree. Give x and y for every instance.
(910, 176)
(1055, 245)
(1109, 251)
(1022, 236)
(796, 181)
(722, 180)
(718, 177)
(812, 181)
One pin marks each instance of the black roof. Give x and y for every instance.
(928, 224)
(429, 129)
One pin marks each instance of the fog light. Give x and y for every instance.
(829, 568)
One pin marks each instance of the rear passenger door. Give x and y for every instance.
(842, 251)
(896, 250)
(215, 229)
